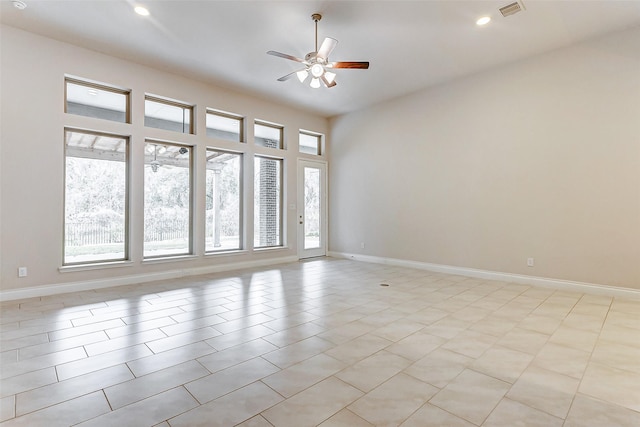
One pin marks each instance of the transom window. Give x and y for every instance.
(310, 143)
(169, 115)
(268, 134)
(94, 100)
(225, 126)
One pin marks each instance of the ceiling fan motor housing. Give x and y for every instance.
(313, 58)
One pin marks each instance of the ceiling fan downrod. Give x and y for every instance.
(316, 17)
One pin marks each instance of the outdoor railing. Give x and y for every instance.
(86, 233)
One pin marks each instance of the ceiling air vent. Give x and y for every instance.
(511, 9)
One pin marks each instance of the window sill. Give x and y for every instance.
(94, 266)
(271, 248)
(226, 253)
(169, 258)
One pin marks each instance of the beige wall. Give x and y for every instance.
(540, 159)
(535, 159)
(32, 155)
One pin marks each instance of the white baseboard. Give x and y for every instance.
(589, 288)
(61, 288)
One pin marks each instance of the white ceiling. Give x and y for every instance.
(411, 45)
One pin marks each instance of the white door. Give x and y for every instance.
(312, 209)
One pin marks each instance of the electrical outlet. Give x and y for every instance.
(530, 262)
(22, 271)
(362, 245)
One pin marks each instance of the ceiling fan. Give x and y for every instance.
(317, 63)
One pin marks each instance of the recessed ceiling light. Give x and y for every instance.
(18, 4)
(483, 21)
(141, 10)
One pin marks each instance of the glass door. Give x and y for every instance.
(312, 209)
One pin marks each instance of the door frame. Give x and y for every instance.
(324, 210)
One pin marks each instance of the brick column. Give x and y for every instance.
(269, 202)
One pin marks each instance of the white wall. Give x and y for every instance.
(32, 156)
(540, 159)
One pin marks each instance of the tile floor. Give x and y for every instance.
(321, 343)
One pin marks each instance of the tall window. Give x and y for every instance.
(167, 199)
(93, 100)
(169, 115)
(268, 134)
(223, 208)
(95, 203)
(225, 126)
(267, 202)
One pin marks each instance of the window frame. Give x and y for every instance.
(127, 200)
(100, 86)
(173, 103)
(241, 202)
(192, 183)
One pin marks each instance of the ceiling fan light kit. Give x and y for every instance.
(317, 63)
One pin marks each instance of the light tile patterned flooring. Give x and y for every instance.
(321, 343)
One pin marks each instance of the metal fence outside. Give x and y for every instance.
(93, 233)
(85, 233)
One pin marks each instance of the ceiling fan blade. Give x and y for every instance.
(287, 77)
(326, 48)
(327, 83)
(285, 56)
(363, 65)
